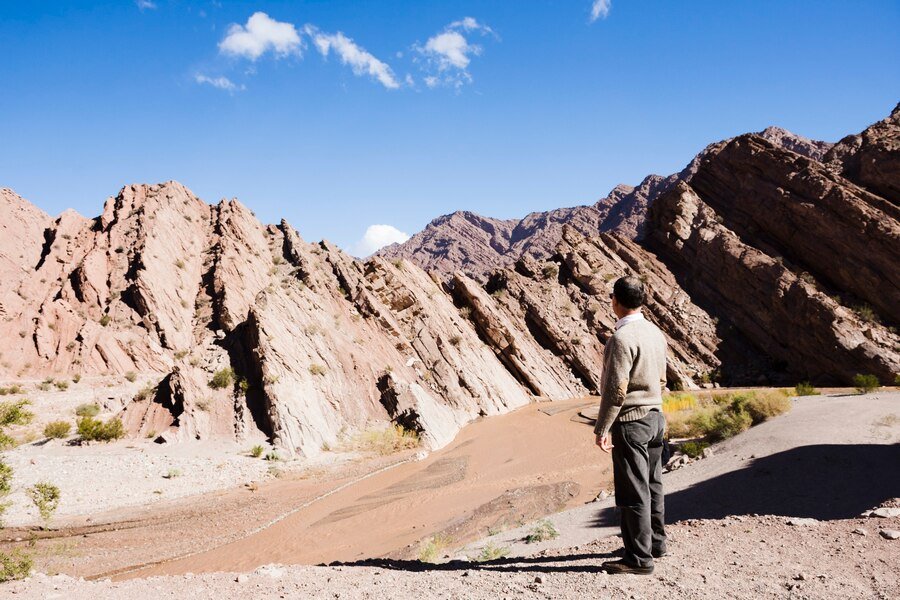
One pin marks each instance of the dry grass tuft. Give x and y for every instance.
(384, 441)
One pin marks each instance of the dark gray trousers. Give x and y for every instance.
(637, 472)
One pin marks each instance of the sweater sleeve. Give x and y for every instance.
(617, 365)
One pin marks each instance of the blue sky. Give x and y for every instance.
(340, 115)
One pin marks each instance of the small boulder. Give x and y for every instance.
(802, 522)
(885, 512)
(890, 534)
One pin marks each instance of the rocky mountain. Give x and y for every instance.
(764, 266)
(477, 244)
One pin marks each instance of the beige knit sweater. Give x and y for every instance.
(634, 374)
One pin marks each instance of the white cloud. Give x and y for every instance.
(359, 60)
(448, 54)
(600, 9)
(377, 237)
(145, 4)
(451, 50)
(259, 35)
(222, 83)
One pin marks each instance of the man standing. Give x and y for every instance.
(631, 425)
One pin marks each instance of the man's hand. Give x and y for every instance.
(605, 442)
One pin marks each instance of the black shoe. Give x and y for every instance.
(658, 553)
(615, 567)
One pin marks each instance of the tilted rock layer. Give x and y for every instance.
(769, 259)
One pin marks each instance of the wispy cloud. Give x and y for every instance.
(351, 54)
(145, 4)
(447, 55)
(600, 9)
(260, 35)
(222, 83)
(377, 237)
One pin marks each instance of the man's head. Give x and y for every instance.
(628, 295)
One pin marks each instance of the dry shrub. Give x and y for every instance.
(433, 548)
(57, 430)
(386, 441)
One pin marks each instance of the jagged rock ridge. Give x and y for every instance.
(739, 261)
(477, 245)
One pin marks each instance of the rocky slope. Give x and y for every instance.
(308, 344)
(477, 245)
(764, 266)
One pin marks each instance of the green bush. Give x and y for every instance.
(693, 449)
(805, 388)
(431, 550)
(13, 413)
(14, 565)
(11, 390)
(492, 552)
(544, 530)
(317, 369)
(729, 422)
(222, 379)
(87, 410)
(57, 430)
(45, 497)
(865, 383)
(257, 451)
(762, 406)
(104, 320)
(91, 429)
(61, 385)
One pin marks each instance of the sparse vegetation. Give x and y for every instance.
(434, 548)
(865, 383)
(805, 388)
(145, 393)
(398, 263)
(244, 385)
(492, 552)
(222, 379)
(104, 320)
(61, 385)
(87, 410)
(317, 369)
(95, 430)
(179, 263)
(45, 497)
(173, 473)
(15, 565)
(455, 340)
(12, 413)
(257, 451)
(385, 441)
(693, 449)
(57, 430)
(131, 376)
(273, 456)
(76, 377)
(543, 530)
(866, 313)
(721, 416)
(550, 271)
(203, 404)
(11, 390)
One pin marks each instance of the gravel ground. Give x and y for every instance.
(736, 557)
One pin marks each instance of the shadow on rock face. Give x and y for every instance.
(824, 482)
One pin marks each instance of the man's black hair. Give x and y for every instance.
(629, 291)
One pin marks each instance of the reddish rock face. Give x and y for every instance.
(477, 245)
(763, 265)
